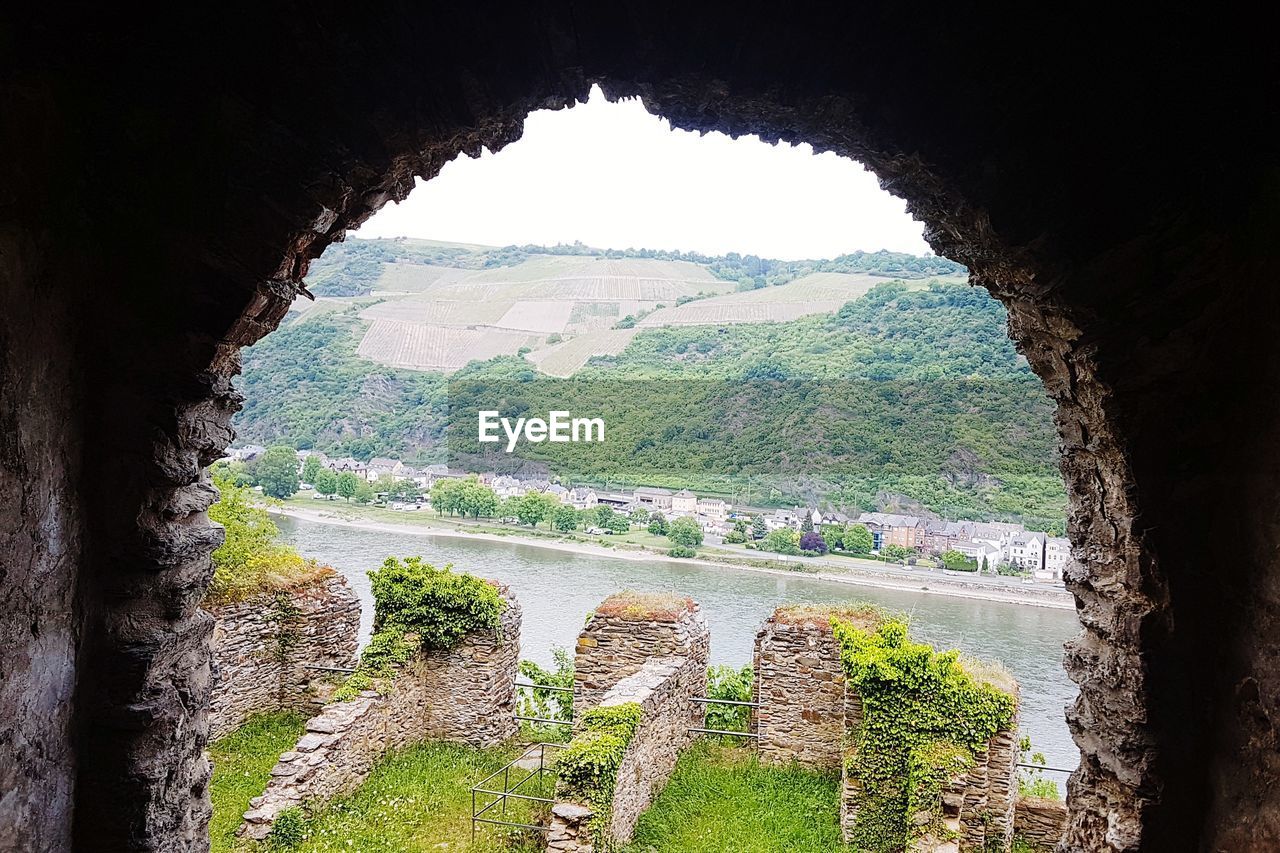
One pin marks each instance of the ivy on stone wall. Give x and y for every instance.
(587, 768)
(417, 606)
(924, 720)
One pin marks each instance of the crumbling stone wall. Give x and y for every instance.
(625, 632)
(473, 684)
(799, 685)
(1039, 823)
(262, 646)
(663, 688)
(464, 694)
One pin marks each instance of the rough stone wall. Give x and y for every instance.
(614, 645)
(799, 683)
(474, 684)
(989, 790)
(464, 694)
(341, 746)
(663, 688)
(1039, 823)
(261, 651)
(162, 202)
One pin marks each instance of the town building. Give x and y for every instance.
(713, 508)
(684, 502)
(654, 498)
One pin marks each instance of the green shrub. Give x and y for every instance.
(734, 684)
(547, 704)
(417, 606)
(436, 604)
(288, 830)
(924, 718)
(682, 551)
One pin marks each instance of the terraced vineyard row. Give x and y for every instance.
(443, 348)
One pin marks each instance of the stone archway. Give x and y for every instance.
(214, 157)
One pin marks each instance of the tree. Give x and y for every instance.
(858, 539)
(986, 568)
(896, 553)
(759, 529)
(363, 493)
(813, 541)
(806, 523)
(658, 524)
(784, 540)
(565, 519)
(685, 533)
(311, 469)
(347, 483)
(638, 516)
(277, 472)
(535, 507)
(446, 496)
(959, 562)
(326, 482)
(476, 500)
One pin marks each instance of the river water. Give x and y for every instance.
(558, 589)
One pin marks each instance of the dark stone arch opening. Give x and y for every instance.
(168, 181)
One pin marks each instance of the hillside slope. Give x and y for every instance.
(905, 392)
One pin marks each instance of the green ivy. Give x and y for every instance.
(587, 768)
(387, 650)
(924, 720)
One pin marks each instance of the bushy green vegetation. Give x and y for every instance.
(734, 684)
(251, 559)
(242, 763)
(924, 719)
(724, 800)
(547, 704)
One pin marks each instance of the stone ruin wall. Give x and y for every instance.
(464, 694)
(659, 664)
(807, 715)
(799, 685)
(612, 646)
(1039, 823)
(261, 650)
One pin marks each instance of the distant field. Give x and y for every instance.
(426, 311)
(415, 278)
(442, 348)
(435, 317)
(818, 293)
(566, 359)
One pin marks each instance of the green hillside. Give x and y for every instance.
(909, 394)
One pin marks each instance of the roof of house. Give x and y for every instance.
(889, 519)
(652, 490)
(685, 493)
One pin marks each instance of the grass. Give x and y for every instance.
(645, 606)
(418, 799)
(724, 799)
(242, 763)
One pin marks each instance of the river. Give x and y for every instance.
(558, 589)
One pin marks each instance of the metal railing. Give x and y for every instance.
(1045, 767)
(703, 700)
(531, 686)
(485, 789)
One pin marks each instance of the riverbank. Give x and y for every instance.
(934, 583)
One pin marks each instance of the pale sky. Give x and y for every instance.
(614, 176)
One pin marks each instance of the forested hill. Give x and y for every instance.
(903, 393)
